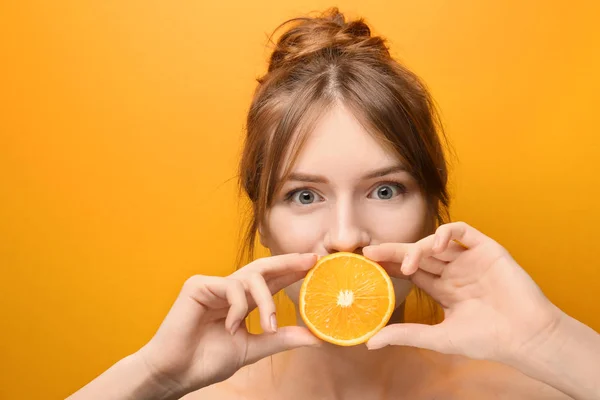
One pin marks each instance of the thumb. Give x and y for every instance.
(431, 337)
(286, 338)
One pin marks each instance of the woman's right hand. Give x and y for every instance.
(203, 339)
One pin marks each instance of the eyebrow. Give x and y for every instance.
(300, 177)
(378, 173)
(385, 171)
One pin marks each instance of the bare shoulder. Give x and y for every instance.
(498, 381)
(440, 376)
(237, 387)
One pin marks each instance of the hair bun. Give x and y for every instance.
(328, 34)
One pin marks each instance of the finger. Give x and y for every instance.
(263, 298)
(214, 293)
(416, 253)
(412, 256)
(432, 265)
(283, 264)
(459, 232)
(408, 255)
(286, 338)
(238, 310)
(209, 291)
(430, 283)
(451, 253)
(393, 270)
(281, 282)
(429, 264)
(387, 252)
(429, 337)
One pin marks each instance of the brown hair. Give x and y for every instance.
(317, 62)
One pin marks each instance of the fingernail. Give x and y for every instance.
(369, 249)
(404, 263)
(235, 327)
(437, 243)
(273, 322)
(311, 256)
(371, 346)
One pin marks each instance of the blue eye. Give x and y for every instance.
(387, 191)
(303, 197)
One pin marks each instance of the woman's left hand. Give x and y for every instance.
(493, 309)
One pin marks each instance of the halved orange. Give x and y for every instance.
(346, 298)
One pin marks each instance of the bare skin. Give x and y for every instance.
(501, 337)
(390, 373)
(346, 213)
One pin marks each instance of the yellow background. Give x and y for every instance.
(120, 130)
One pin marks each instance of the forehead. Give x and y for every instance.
(340, 146)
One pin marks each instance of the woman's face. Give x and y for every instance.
(344, 192)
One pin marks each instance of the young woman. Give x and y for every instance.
(344, 153)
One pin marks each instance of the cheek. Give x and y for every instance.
(389, 223)
(291, 231)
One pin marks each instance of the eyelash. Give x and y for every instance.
(400, 186)
(290, 195)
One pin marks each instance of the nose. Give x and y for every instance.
(345, 231)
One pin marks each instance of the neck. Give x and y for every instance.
(340, 372)
(334, 372)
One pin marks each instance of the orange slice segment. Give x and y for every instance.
(346, 298)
